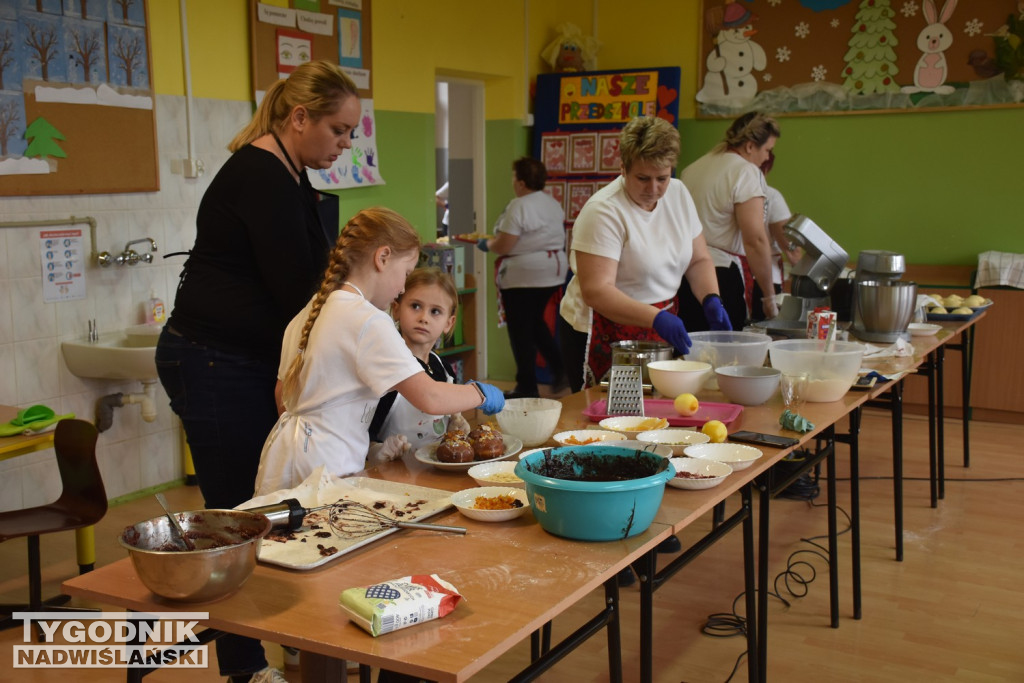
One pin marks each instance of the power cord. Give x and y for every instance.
(728, 625)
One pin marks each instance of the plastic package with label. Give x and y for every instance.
(396, 604)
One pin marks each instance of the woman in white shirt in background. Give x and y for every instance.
(529, 238)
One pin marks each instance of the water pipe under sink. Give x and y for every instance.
(146, 400)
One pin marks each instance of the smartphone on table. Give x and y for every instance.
(761, 439)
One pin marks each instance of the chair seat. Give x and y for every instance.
(45, 519)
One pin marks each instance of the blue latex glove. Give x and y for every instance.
(494, 399)
(670, 328)
(481, 244)
(715, 313)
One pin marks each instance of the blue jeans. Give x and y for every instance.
(226, 404)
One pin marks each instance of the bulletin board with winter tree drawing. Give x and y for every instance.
(833, 56)
(76, 98)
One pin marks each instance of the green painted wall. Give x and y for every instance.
(938, 187)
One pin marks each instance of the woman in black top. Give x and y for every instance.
(259, 254)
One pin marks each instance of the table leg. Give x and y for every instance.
(764, 494)
(966, 373)
(896, 406)
(644, 568)
(611, 597)
(933, 409)
(749, 585)
(318, 668)
(833, 540)
(940, 355)
(855, 416)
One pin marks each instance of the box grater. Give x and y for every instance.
(625, 390)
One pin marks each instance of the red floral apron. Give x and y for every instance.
(603, 332)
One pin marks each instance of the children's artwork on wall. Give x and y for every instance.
(554, 153)
(293, 48)
(609, 149)
(359, 167)
(835, 56)
(557, 191)
(579, 193)
(583, 153)
(76, 99)
(350, 48)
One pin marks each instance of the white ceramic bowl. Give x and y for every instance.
(748, 385)
(631, 425)
(585, 437)
(676, 439)
(531, 420)
(711, 472)
(923, 329)
(465, 500)
(674, 377)
(829, 374)
(496, 474)
(736, 455)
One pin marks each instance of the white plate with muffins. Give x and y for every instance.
(462, 453)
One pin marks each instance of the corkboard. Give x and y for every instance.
(265, 36)
(94, 132)
(800, 56)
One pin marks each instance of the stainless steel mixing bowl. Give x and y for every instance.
(227, 546)
(885, 307)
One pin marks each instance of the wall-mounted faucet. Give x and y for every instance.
(128, 257)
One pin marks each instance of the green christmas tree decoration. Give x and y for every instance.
(43, 140)
(871, 59)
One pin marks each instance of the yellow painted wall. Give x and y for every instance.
(218, 33)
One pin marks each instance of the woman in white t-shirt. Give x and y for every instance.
(632, 243)
(729, 190)
(529, 238)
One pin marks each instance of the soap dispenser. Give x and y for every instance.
(155, 310)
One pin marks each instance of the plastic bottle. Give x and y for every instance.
(155, 314)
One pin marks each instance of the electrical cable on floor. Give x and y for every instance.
(727, 625)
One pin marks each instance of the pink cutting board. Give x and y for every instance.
(663, 407)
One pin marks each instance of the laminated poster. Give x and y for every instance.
(359, 167)
(63, 263)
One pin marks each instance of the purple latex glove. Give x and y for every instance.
(670, 328)
(715, 313)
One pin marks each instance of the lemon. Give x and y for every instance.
(686, 404)
(715, 430)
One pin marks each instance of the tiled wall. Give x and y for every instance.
(133, 454)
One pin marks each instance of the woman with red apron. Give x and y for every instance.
(632, 242)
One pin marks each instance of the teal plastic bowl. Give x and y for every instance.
(594, 493)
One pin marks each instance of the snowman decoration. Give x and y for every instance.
(729, 79)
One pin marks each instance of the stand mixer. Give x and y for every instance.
(811, 278)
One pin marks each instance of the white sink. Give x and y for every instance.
(127, 354)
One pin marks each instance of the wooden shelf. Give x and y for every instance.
(453, 350)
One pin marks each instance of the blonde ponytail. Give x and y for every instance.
(364, 233)
(319, 86)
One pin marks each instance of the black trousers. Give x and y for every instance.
(529, 334)
(573, 346)
(730, 286)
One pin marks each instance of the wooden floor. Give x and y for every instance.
(953, 610)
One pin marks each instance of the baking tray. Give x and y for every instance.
(949, 317)
(664, 407)
(299, 549)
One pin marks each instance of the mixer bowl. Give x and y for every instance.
(885, 307)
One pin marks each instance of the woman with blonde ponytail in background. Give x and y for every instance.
(343, 353)
(260, 250)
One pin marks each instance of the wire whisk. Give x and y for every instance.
(352, 519)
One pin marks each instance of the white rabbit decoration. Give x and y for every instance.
(933, 41)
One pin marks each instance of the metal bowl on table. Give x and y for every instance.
(227, 546)
(636, 352)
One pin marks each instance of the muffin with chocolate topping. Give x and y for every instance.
(487, 442)
(454, 447)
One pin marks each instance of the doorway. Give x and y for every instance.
(460, 162)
